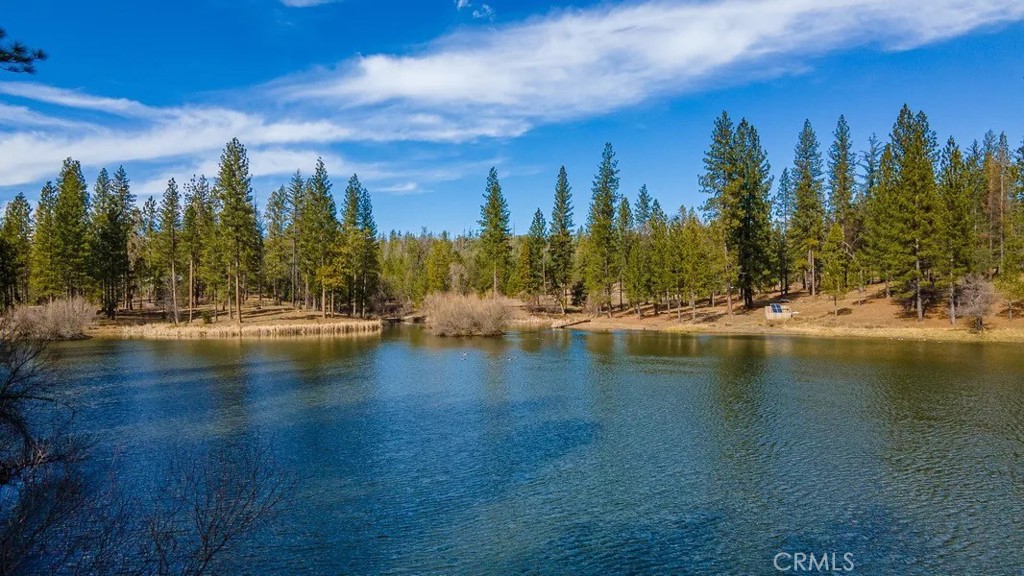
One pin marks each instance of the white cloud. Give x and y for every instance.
(305, 3)
(484, 12)
(583, 62)
(74, 99)
(474, 83)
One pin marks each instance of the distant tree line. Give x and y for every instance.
(918, 219)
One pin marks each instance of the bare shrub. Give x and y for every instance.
(453, 314)
(62, 319)
(976, 299)
(59, 516)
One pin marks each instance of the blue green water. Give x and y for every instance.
(578, 453)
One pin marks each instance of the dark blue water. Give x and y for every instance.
(576, 453)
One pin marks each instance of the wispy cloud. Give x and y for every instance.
(584, 62)
(479, 11)
(306, 3)
(476, 83)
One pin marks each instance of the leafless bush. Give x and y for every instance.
(209, 503)
(60, 516)
(62, 319)
(453, 314)
(976, 299)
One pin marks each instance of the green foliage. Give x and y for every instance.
(601, 256)
(737, 176)
(70, 232)
(495, 238)
(439, 264)
(16, 236)
(561, 239)
(18, 58)
(835, 262)
(809, 213)
(317, 225)
(277, 245)
(237, 225)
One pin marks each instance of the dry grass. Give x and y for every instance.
(232, 330)
(458, 315)
(63, 319)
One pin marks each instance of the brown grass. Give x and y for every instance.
(232, 330)
(63, 319)
(459, 315)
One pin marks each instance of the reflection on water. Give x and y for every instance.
(568, 452)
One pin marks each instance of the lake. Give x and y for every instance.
(592, 453)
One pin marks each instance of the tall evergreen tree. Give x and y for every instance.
(834, 257)
(70, 257)
(197, 228)
(16, 234)
(237, 214)
(277, 260)
(956, 226)
(809, 215)
(602, 254)
(536, 242)
(917, 206)
(439, 263)
(784, 205)
(296, 195)
(495, 237)
(318, 228)
(642, 214)
(169, 243)
(369, 261)
(842, 175)
(562, 250)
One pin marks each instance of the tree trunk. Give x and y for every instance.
(952, 304)
(323, 299)
(693, 305)
(238, 297)
(174, 292)
(728, 295)
(191, 288)
(917, 291)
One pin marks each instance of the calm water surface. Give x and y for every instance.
(576, 453)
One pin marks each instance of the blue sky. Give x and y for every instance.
(421, 98)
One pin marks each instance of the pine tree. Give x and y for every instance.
(661, 254)
(809, 213)
(318, 228)
(736, 175)
(277, 264)
(439, 264)
(119, 220)
(842, 173)
(835, 260)
(601, 256)
(956, 226)
(624, 243)
(70, 257)
(1011, 277)
(561, 249)
(16, 234)
(169, 240)
(369, 263)
(495, 238)
(350, 243)
(917, 205)
(537, 241)
(694, 259)
(642, 213)
(237, 222)
(752, 237)
(784, 204)
(196, 221)
(296, 197)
